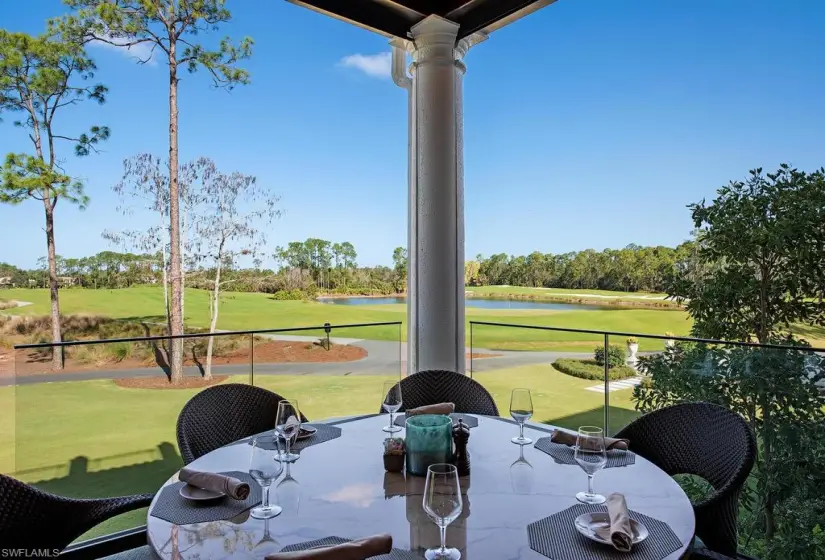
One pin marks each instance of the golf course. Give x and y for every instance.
(91, 437)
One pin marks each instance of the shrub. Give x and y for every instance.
(615, 356)
(120, 350)
(289, 295)
(589, 369)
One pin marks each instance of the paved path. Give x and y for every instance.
(383, 358)
(616, 385)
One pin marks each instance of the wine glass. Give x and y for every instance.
(521, 409)
(287, 426)
(391, 403)
(442, 503)
(265, 466)
(521, 474)
(591, 455)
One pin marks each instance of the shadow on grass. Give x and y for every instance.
(619, 418)
(137, 478)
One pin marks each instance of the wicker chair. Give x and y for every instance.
(33, 519)
(435, 386)
(708, 441)
(222, 414)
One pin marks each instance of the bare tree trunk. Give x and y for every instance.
(213, 308)
(184, 240)
(57, 351)
(176, 315)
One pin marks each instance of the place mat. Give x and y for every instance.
(395, 553)
(556, 537)
(324, 432)
(471, 421)
(565, 454)
(174, 508)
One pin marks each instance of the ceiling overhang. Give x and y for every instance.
(394, 18)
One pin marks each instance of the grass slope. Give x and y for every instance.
(94, 439)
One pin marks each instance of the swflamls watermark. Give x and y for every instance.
(29, 552)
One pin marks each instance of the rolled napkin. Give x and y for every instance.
(567, 438)
(440, 408)
(232, 487)
(353, 550)
(620, 532)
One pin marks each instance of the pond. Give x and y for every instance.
(484, 303)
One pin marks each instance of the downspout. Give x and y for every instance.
(401, 79)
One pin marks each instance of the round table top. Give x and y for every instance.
(340, 488)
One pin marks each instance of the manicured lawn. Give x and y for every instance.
(92, 438)
(244, 311)
(555, 291)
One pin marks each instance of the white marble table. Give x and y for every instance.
(340, 489)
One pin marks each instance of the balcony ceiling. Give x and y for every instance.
(393, 18)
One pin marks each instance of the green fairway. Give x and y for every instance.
(92, 438)
(244, 311)
(247, 311)
(522, 290)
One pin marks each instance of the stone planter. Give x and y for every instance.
(632, 349)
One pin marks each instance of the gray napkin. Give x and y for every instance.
(232, 487)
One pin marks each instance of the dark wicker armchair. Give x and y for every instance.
(708, 441)
(222, 414)
(435, 386)
(33, 519)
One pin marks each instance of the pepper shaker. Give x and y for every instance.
(461, 458)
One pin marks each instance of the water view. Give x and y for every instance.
(484, 303)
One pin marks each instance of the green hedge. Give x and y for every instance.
(589, 369)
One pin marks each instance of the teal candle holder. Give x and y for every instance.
(429, 441)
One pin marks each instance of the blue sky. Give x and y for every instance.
(591, 123)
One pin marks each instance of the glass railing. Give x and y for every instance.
(779, 389)
(104, 424)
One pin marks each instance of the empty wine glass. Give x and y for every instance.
(442, 503)
(591, 455)
(265, 466)
(521, 409)
(287, 427)
(391, 403)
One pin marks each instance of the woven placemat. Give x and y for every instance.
(174, 508)
(323, 433)
(395, 554)
(565, 454)
(471, 421)
(556, 537)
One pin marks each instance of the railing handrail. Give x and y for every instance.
(327, 327)
(654, 336)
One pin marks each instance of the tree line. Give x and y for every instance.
(632, 269)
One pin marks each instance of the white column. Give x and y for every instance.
(435, 283)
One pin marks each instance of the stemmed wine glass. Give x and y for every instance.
(442, 503)
(287, 427)
(591, 455)
(265, 466)
(391, 403)
(521, 409)
(289, 492)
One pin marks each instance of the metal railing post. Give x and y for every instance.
(252, 359)
(606, 384)
(471, 351)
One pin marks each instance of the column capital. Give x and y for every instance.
(434, 38)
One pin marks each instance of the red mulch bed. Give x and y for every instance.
(270, 352)
(479, 355)
(162, 382)
(283, 351)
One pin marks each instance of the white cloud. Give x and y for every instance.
(140, 51)
(373, 65)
